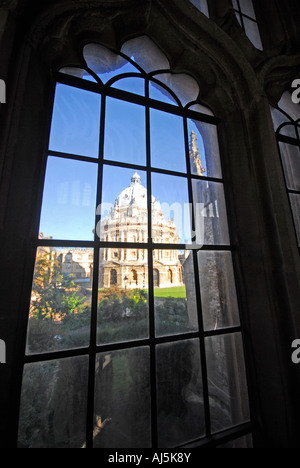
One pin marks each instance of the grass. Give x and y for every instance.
(178, 291)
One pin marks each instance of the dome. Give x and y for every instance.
(134, 195)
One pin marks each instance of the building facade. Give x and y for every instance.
(128, 222)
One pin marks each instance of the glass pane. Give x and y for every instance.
(201, 5)
(179, 393)
(228, 394)
(124, 210)
(171, 221)
(204, 149)
(53, 404)
(167, 141)
(278, 119)
(295, 202)
(289, 130)
(106, 64)
(75, 122)
(241, 443)
(160, 94)
(291, 163)
(238, 17)
(123, 295)
(174, 292)
(125, 138)
(131, 85)
(252, 31)
(78, 73)
(286, 103)
(210, 213)
(202, 109)
(60, 307)
(122, 400)
(184, 86)
(146, 54)
(247, 8)
(235, 4)
(218, 291)
(69, 199)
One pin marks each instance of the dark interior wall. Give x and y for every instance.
(237, 82)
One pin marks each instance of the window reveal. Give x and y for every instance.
(137, 304)
(286, 118)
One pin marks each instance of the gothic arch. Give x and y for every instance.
(230, 85)
(194, 44)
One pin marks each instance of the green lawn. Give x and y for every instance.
(179, 291)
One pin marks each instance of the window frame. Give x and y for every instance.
(210, 439)
(290, 122)
(241, 15)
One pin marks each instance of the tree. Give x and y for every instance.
(54, 296)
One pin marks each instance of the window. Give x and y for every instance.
(157, 359)
(201, 5)
(245, 14)
(286, 118)
(113, 277)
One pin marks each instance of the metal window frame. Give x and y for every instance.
(210, 439)
(293, 142)
(243, 15)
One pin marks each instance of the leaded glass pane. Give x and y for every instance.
(175, 304)
(167, 141)
(218, 291)
(125, 132)
(69, 199)
(105, 63)
(291, 162)
(75, 124)
(123, 295)
(53, 404)
(171, 215)
(210, 213)
(122, 399)
(227, 384)
(124, 207)
(204, 149)
(60, 307)
(131, 85)
(295, 202)
(78, 73)
(184, 86)
(146, 54)
(180, 393)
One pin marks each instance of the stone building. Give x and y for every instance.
(128, 222)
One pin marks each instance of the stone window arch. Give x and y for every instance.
(230, 86)
(87, 137)
(286, 120)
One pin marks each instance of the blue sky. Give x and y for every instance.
(69, 200)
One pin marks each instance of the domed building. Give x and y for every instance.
(128, 222)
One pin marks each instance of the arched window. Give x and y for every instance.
(245, 13)
(286, 118)
(128, 132)
(134, 276)
(113, 277)
(156, 278)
